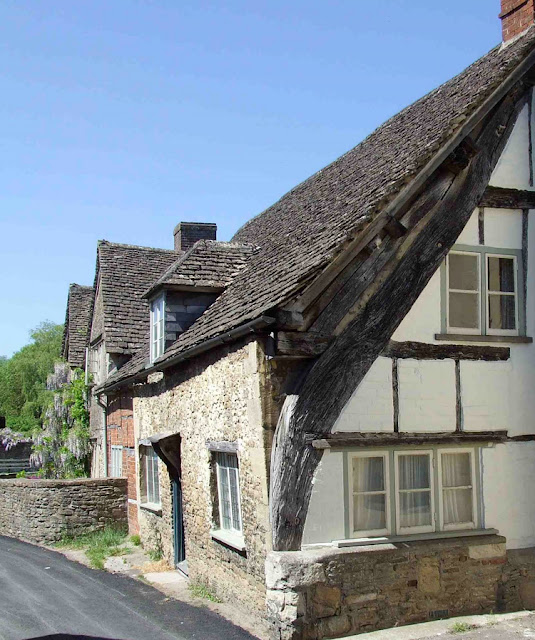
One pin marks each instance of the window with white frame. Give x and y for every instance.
(157, 327)
(98, 362)
(228, 491)
(483, 291)
(412, 491)
(116, 470)
(150, 477)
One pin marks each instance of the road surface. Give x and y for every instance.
(47, 597)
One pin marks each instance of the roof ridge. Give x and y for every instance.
(107, 243)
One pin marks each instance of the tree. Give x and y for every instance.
(23, 393)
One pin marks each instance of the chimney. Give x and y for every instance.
(516, 17)
(187, 234)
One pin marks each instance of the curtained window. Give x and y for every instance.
(228, 489)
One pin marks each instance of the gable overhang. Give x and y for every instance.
(155, 291)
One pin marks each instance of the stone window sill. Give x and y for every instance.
(229, 538)
(152, 507)
(465, 337)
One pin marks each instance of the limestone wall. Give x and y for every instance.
(216, 397)
(331, 593)
(45, 510)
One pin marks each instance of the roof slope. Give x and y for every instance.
(208, 263)
(306, 228)
(126, 271)
(77, 320)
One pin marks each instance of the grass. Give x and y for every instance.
(199, 590)
(155, 554)
(98, 545)
(462, 627)
(135, 540)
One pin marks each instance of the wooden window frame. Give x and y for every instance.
(478, 292)
(488, 293)
(387, 491)
(459, 526)
(115, 448)
(157, 327)
(430, 528)
(220, 468)
(150, 472)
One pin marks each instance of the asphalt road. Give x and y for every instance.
(47, 597)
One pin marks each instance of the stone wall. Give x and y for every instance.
(45, 510)
(330, 593)
(216, 397)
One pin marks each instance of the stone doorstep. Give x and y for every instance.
(437, 627)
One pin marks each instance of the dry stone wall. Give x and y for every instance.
(46, 510)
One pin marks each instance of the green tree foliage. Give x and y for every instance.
(23, 394)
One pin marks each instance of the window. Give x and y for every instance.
(150, 479)
(98, 363)
(483, 291)
(157, 328)
(228, 491)
(116, 470)
(412, 491)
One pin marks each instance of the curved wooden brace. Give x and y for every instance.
(378, 312)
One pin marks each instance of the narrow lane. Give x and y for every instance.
(44, 595)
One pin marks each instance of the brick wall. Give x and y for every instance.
(516, 16)
(45, 510)
(120, 421)
(187, 233)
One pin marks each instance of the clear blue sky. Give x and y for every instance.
(120, 118)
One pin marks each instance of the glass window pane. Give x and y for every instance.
(502, 312)
(368, 474)
(463, 272)
(464, 310)
(224, 495)
(456, 470)
(233, 477)
(457, 505)
(369, 512)
(501, 274)
(415, 509)
(414, 472)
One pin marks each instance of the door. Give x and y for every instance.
(178, 527)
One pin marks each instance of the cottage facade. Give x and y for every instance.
(330, 418)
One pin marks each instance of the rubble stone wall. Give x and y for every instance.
(331, 593)
(46, 510)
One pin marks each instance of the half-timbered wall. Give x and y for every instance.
(445, 395)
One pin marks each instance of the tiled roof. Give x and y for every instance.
(76, 329)
(301, 233)
(126, 271)
(207, 264)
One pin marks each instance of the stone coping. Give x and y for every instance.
(43, 483)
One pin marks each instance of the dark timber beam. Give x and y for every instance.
(358, 439)
(424, 351)
(296, 343)
(500, 198)
(372, 321)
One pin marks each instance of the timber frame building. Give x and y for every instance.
(330, 419)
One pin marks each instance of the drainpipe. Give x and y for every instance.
(104, 406)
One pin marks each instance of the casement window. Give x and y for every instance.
(150, 477)
(412, 491)
(116, 467)
(482, 287)
(228, 492)
(157, 327)
(98, 363)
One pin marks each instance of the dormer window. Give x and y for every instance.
(157, 327)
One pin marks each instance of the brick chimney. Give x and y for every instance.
(187, 234)
(516, 17)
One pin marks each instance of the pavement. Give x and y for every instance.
(45, 596)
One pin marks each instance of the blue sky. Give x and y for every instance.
(119, 119)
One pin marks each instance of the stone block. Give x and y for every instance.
(487, 551)
(335, 627)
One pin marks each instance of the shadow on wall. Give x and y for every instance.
(69, 636)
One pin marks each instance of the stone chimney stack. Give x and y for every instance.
(516, 17)
(187, 234)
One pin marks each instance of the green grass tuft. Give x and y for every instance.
(462, 627)
(98, 545)
(155, 554)
(199, 590)
(135, 540)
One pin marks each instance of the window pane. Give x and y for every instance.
(233, 477)
(501, 274)
(457, 505)
(456, 470)
(155, 481)
(414, 472)
(463, 272)
(369, 512)
(502, 312)
(224, 494)
(415, 509)
(368, 474)
(464, 310)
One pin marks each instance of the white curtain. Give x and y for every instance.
(414, 490)
(369, 495)
(457, 488)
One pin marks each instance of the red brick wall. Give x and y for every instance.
(516, 16)
(120, 421)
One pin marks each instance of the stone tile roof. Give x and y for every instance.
(126, 271)
(77, 320)
(208, 263)
(301, 233)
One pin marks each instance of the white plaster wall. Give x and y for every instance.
(325, 518)
(503, 228)
(512, 169)
(427, 395)
(371, 407)
(423, 320)
(508, 488)
(470, 234)
(485, 395)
